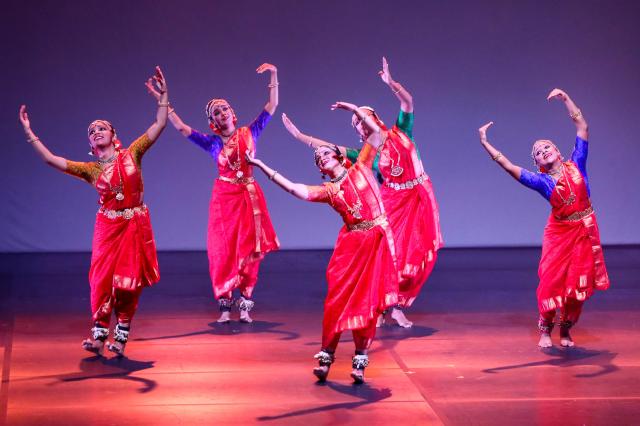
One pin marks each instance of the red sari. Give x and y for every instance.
(362, 275)
(240, 231)
(572, 263)
(123, 259)
(408, 197)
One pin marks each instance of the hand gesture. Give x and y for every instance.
(384, 74)
(156, 85)
(266, 67)
(291, 128)
(483, 131)
(24, 117)
(249, 156)
(344, 105)
(557, 94)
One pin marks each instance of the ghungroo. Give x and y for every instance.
(545, 326)
(121, 333)
(324, 358)
(566, 324)
(245, 304)
(99, 333)
(225, 304)
(359, 362)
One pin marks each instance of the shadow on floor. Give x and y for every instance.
(231, 329)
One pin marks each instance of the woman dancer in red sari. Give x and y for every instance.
(123, 259)
(407, 194)
(240, 232)
(362, 276)
(572, 264)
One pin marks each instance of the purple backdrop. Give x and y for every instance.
(465, 62)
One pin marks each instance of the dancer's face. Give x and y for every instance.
(358, 125)
(222, 115)
(326, 160)
(100, 135)
(545, 153)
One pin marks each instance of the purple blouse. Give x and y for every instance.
(213, 143)
(544, 184)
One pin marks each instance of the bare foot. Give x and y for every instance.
(565, 339)
(545, 340)
(225, 317)
(93, 346)
(117, 348)
(357, 376)
(244, 317)
(399, 317)
(321, 373)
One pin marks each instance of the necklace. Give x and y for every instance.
(572, 197)
(117, 189)
(235, 165)
(396, 169)
(355, 208)
(339, 178)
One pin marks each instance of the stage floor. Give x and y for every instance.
(470, 359)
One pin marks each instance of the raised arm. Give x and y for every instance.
(55, 161)
(272, 104)
(582, 129)
(163, 106)
(406, 101)
(496, 155)
(180, 126)
(297, 189)
(311, 141)
(364, 117)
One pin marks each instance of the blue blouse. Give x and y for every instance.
(544, 184)
(213, 143)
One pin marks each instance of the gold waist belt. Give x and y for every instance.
(574, 217)
(237, 181)
(408, 184)
(368, 224)
(126, 213)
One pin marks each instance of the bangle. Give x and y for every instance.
(160, 104)
(575, 115)
(395, 92)
(35, 139)
(172, 110)
(272, 85)
(497, 157)
(273, 175)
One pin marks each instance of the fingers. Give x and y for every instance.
(264, 67)
(385, 64)
(484, 128)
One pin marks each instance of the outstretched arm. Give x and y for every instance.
(163, 105)
(403, 95)
(496, 155)
(311, 141)
(297, 189)
(582, 129)
(55, 161)
(272, 104)
(180, 126)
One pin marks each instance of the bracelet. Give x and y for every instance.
(497, 157)
(575, 115)
(172, 110)
(160, 104)
(395, 92)
(36, 139)
(273, 175)
(272, 85)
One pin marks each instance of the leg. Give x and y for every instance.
(569, 316)
(101, 306)
(248, 279)
(125, 306)
(326, 355)
(225, 303)
(362, 338)
(545, 325)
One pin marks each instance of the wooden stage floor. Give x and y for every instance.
(471, 358)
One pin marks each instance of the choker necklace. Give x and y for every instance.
(339, 178)
(108, 160)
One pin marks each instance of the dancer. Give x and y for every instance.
(407, 194)
(240, 232)
(572, 264)
(124, 256)
(362, 276)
